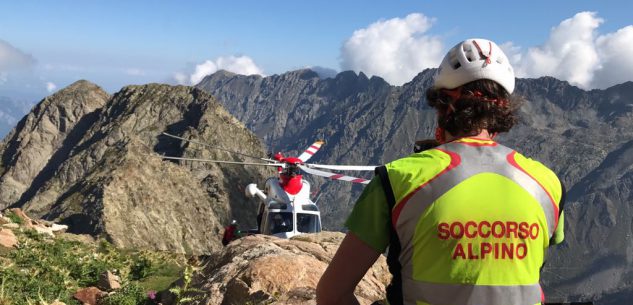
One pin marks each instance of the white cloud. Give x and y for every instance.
(180, 78)
(12, 58)
(236, 64)
(323, 72)
(396, 49)
(50, 87)
(616, 52)
(576, 53)
(4, 77)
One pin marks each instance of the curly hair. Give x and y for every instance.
(473, 107)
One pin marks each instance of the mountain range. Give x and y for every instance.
(92, 160)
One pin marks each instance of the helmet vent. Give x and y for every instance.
(457, 65)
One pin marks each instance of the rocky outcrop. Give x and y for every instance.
(109, 178)
(267, 270)
(43, 138)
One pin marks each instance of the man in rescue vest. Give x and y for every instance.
(467, 222)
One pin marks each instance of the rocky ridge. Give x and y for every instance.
(101, 173)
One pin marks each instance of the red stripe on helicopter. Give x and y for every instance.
(359, 180)
(315, 147)
(337, 176)
(309, 152)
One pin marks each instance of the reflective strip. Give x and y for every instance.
(441, 294)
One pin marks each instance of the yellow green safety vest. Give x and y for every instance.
(476, 233)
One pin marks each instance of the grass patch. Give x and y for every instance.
(42, 270)
(14, 217)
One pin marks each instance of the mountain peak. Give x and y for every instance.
(81, 85)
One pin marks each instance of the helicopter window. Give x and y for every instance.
(292, 170)
(280, 222)
(277, 205)
(308, 223)
(309, 207)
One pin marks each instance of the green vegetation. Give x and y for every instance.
(14, 217)
(186, 294)
(42, 270)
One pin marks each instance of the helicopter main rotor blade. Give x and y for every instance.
(343, 167)
(225, 162)
(307, 154)
(333, 176)
(218, 148)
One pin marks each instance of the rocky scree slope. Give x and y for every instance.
(91, 161)
(584, 136)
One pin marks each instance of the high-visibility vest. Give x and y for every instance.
(475, 233)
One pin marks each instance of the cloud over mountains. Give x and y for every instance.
(396, 49)
(575, 52)
(237, 64)
(399, 48)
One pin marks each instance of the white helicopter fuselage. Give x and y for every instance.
(283, 214)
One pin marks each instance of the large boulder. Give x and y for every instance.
(264, 269)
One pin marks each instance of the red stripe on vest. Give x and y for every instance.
(514, 163)
(456, 160)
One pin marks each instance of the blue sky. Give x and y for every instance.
(115, 43)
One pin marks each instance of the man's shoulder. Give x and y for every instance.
(540, 172)
(533, 166)
(408, 173)
(428, 160)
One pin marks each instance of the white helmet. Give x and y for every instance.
(474, 59)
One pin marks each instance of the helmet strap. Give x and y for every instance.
(481, 53)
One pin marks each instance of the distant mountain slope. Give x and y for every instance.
(583, 135)
(91, 161)
(11, 111)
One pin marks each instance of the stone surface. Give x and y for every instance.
(7, 238)
(109, 281)
(89, 296)
(267, 269)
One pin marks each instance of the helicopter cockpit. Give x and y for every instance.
(291, 170)
(282, 220)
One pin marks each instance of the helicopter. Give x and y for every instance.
(285, 208)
